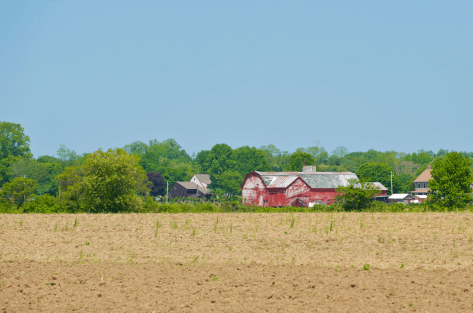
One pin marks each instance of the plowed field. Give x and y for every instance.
(344, 262)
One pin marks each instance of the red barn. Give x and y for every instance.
(293, 188)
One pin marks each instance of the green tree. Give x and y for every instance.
(357, 196)
(19, 190)
(380, 172)
(107, 182)
(71, 188)
(250, 159)
(112, 181)
(30, 168)
(13, 141)
(450, 186)
(229, 182)
(297, 160)
(13, 144)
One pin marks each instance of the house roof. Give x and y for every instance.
(322, 180)
(204, 178)
(191, 185)
(424, 176)
(400, 196)
(282, 181)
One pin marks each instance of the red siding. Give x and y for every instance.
(254, 190)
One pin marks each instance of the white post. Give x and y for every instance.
(391, 183)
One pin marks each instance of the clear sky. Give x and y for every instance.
(384, 75)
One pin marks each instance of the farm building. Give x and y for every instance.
(294, 188)
(187, 189)
(401, 197)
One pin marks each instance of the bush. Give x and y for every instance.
(42, 204)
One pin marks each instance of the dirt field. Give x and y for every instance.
(237, 262)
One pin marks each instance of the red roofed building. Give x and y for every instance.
(276, 189)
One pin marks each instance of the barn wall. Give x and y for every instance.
(298, 189)
(254, 190)
(325, 195)
(277, 197)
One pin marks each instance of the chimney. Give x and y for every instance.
(309, 169)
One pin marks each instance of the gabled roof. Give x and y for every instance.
(380, 186)
(282, 181)
(322, 180)
(424, 177)
(204, 178)
(191, 185)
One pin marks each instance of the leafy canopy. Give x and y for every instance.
(450, 186)
(107, 182)
(357, 196)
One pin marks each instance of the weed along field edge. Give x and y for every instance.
(237, 262)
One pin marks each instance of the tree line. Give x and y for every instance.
(67, 173)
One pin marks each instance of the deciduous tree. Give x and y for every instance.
(451, 181)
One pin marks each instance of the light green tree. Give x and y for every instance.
(107, 182)
(450, 186)
(19, 190)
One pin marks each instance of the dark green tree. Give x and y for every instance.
(379, 172)
(297, 160)
(250, 159)
(13, 144)
(450, 186)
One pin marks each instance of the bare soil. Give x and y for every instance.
(344, 262)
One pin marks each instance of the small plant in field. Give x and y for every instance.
(193, 233)
(314, 229)
(21, 222)
(214, 278)
(195, 260)
(55, 227)
(87, 243)
(410, 304)
(76, 223)
(402, 266)
(231, 229)
(292, 223)
(366, 267)
(331, 225)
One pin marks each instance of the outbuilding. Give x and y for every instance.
(187, 189)
(401, 197)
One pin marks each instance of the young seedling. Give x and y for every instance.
(21, 222)
(55, 227)
(366, 267)
(292, 223)
(76, 223)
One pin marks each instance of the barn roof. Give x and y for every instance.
(322, 180)
(204, 178)
(282, 181)
(381, 186)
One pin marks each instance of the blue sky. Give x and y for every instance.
(384, 75)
